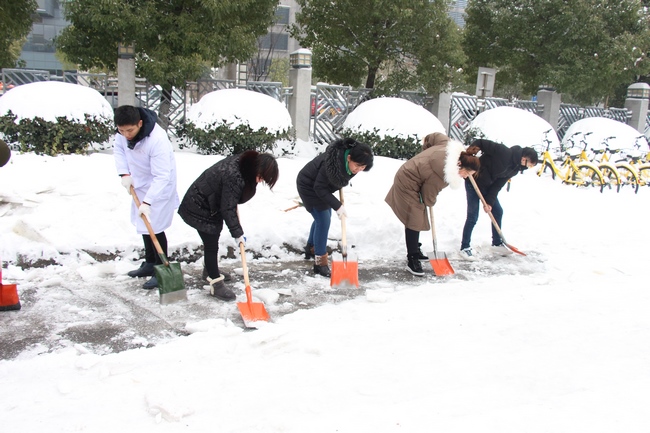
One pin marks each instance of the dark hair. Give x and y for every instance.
(359, 152)
(126, 115)
(469, 161)
(531, 154)
(267, 167)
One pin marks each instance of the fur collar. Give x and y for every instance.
(454, 148)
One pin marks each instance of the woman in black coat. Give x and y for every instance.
(213, 199)
(498, 164)
(318, 180)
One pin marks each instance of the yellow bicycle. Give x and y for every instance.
(609, 171)
(572, 171)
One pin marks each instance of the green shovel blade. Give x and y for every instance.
(170, 278)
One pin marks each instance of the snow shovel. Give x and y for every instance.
(171, 285)
(494, 222)
(345, 270)
(439, 261)
(251, 312)
(9, 299)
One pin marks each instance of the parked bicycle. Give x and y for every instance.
(572, 171)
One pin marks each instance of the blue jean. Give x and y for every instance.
(473, 205)
(319, 230)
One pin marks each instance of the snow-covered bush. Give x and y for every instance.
(52, 118)
(229, 121)
(63, 136)
(393, 127)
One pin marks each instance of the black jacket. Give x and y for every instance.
(322, 176)
(214, 195)
(498, 164)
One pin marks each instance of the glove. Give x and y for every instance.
(145, 209)
(241, 240)
(127, 182)
(341, 212)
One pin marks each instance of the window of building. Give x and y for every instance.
(282, 15)
(275, 41)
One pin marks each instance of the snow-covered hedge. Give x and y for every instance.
(229, 121)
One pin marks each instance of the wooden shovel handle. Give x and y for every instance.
(433, 232)
(149, 228)
(494, 221)
(344, 243)
(242, 253)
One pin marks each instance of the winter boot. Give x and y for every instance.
(145, 270)
(219, 290)
(226, 276)
(151, 283)
(420, 255)
(321, 267)
(414, 265)
(9, 297)
(309, 252)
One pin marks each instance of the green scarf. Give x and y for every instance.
(347, 164)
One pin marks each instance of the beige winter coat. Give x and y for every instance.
(424, 175)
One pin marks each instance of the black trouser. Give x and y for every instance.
(150, 253)
(412, 241)
(211, 252)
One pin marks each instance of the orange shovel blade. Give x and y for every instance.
(345, 271)
(252, 312)
(515, 250)
(440, 265)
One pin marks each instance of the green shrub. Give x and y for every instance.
(472, 134)
(225, 139)
(392, 147)
(64, 136)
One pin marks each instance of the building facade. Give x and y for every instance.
(38, 51)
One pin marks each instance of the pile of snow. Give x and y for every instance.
(240, 106)
(51, 99)
(500, 124)
(601, 132)
(393, 117)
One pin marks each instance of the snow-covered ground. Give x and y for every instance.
(556, 341)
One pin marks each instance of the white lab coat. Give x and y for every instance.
(152, 166)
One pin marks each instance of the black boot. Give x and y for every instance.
(414, 265)
(321, 267)
(309, 252)
(219, 290)
(151, 283)
(420, 255)
(145, 270)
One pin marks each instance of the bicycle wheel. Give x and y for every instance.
(546, 166)
(588, 175)
(628, 176)
(610, 176)
(644, 174)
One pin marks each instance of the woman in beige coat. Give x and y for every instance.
(442, 163)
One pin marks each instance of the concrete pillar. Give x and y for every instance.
(551, 100)
(126, 82)
(299, 102)
(440, 107)
(637, 102)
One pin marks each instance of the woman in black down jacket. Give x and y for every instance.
(498, 164)
(213, 199)
(322, 176)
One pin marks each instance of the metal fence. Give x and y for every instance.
(330, 104)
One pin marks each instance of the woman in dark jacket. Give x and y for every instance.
(213, 199)
(498, 164)
(318, 180)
